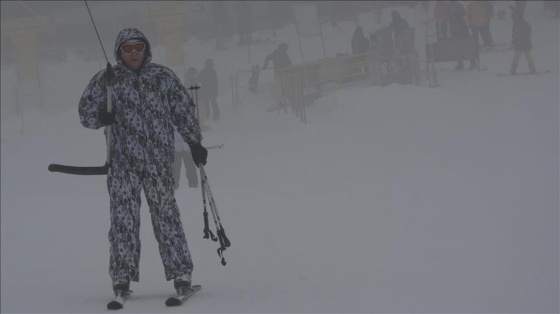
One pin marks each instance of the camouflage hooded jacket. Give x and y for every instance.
(148, 103)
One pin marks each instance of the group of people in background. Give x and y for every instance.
(454, 22)
(361, 44)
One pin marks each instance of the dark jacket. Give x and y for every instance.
(208, 83)
(521, 35)
(149, 104)
(279, 58)
(398, 25)
(457, 25)
(360, 44)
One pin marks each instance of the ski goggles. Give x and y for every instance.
(137, 47)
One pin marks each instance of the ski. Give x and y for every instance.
(464, 69)
(181, 298)
(118, 301)
(524, 73)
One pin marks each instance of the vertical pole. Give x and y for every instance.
(299, 41)
(322, 38)
(249, 51)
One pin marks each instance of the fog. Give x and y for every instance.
(426, 190)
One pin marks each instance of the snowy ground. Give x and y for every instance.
(389, 200)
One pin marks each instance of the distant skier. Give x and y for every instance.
(458, 28)
(280, 60)
(521, 35)
(209, 89)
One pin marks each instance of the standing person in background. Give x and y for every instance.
(360, 44)
(244, 12)
(398, 25)
(149, 104)
(440, 15)
(458, 28)
(489, 7)
(183, 156)
(280, 60)
(521, 34)
(219, 11)
(478, 20)
(209, 89)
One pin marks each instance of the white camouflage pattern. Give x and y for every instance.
(150, 104)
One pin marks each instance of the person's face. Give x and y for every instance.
(133, 54)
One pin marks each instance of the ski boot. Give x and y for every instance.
(182, 284)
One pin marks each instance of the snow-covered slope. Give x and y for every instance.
(390, 199)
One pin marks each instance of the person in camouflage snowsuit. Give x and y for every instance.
(149, 103)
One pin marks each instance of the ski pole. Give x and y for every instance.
(207, 232)
(224, 241)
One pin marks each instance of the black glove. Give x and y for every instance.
(106, 118)
(199, 154)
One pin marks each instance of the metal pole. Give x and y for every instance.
(322, 38)
(299, 41)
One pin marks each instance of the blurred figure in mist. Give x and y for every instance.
(521, 35)
(552, 7)
(182, 156)
(398, 25)
(280, 60)
(219, 12)
(244, 11)
(254, 79)
(209, 89)
(458, 28)
(478, 19)
(440, 15)
(360, 44)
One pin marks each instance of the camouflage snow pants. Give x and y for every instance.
(124, 188)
